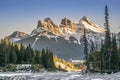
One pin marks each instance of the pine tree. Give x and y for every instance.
(14, 60)
(34, 59)
(37, 56)
(92, 47)
(43, 57)
(107, 43)
(8, 53)
(17, 53)
(102, 57)
(2, 53)
(12, 56)
(107, 27)
(114, 54)
(22, 51)
(86, 49)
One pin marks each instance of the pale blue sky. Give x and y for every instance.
(23, 15)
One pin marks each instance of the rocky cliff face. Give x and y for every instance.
(67, 27)
(17, 35)
(90, 25)
(46, 26)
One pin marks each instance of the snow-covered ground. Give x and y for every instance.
(59, 76)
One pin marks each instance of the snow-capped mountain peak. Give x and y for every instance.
(63, 39)
(88, 24)
(17, 35)
(67, 27)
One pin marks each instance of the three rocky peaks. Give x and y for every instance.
(65, 40)
(66, 27)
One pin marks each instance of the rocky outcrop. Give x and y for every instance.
(17, 34)
(46, 26)
(90, 25)
(46, 23)
(66, 27)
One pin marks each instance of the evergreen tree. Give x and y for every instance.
(43, 57)
(37, 56)
(13, 56)
(118, 51)
(34, 59)
(2, 53)
(107, 27)
(107, 42)
(22, 51)
(92, 47)
(17, 53)
(86, 49)
(52, 65)
(102, 56)
(114, 54)
(8, 53)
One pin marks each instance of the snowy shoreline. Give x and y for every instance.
(58, 76)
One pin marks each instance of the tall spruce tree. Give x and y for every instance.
(2, 53)
(102, 58)
(107, 42)
(107, 27)
(13, 56)
(114, 55)
(86, 50)
(17, 53)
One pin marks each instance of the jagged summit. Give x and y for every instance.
(66, 27)
(66, 21)
(17, 35)
(45, 27)
(84, 18)
(46, 23)
(88, 24)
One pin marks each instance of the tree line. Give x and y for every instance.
(108, 57)
(11, 53)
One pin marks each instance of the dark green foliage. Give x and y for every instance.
(92, 47)
(28, 54)
(86, 49)
(107, 27)
(47, 59)
(22, 55)
(3, 53)
(11, 54)
(17, 53)
(114, 54)
(108, 57)
(118, 51)
(107, 43)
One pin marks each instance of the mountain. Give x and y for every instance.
(65, 40)
(88, 24)
(67, 27)
(17, 35)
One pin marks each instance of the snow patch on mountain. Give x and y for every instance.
(88, 24)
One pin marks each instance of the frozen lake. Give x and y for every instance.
(58, 76)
